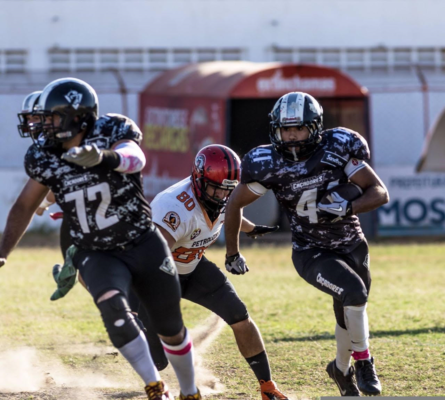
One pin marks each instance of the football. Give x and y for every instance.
(349, 191)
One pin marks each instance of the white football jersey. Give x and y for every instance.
(178, 211)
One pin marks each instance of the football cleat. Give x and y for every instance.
(158, 391)
(270, 391)
(367, 379)
(346, 384)
(196, 396)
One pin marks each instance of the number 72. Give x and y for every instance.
(78, 196)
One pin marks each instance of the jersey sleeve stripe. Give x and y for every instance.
(354, 165)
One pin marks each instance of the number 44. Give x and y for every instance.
(307, 205)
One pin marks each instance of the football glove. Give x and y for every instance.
(261, 230)
(339, 207)
(236, 264)
(66, 276)
(86, 156)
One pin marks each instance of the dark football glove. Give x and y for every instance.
(261, 230)
(337, 210)
(86, 156)
(236, 264)
(66, 276)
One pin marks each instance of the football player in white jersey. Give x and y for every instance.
(190, 215)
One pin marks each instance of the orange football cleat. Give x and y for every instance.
(269, 391)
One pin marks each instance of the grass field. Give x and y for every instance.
(55, 350)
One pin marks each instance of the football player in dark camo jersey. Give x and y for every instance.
(92, 165)
(329, 249)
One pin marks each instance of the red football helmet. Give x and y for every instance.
(218, 166)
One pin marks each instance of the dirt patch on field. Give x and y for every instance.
(28, 374)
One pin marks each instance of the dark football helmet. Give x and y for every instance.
(71, 99)
(218, 166)
(296, 109)
(27, 127)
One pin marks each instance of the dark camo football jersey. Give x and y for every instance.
(299, 186)
(106, 209)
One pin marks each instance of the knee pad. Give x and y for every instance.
(119, 322)
(355, 297)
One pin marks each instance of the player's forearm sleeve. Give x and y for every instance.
(132, 158)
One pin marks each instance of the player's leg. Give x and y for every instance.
(108, 280)
(330, 273)
(155, 280)
(154, 343)
(209, 287)
(65, 239)
(356, 320)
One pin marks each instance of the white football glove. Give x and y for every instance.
(236, 264)
(339, 207)
(86, 156)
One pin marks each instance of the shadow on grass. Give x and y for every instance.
(123, 395)
(374, 334)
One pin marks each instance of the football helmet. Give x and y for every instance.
(27, 128)
(219, 167)
(296, 109)
(74, 102)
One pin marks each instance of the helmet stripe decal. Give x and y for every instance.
(229, 164)
(235, 169)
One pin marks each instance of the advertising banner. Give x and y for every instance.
(174, 131)
(417, 203)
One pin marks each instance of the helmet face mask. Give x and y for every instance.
(296, 109)
(215, 174)
(66, 107)
(29, 124)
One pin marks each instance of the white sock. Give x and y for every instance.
(138, 355)
(356, 320)
(181, 359)
(343, 358)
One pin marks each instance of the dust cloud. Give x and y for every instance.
(27, 370)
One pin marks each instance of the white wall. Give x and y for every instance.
(255, 24)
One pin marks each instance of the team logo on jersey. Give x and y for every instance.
(333, 159)
(312, 181)
(74, 98)
(168, 266)
(77, 180)
(200, 162)
(195, 233)
(366, 262)
(172, 220)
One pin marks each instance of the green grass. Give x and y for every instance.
(405, 311)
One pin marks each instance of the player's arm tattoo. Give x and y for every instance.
(375, 193)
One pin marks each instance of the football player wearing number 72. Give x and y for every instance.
(308, 168)
(93, 166)
(190, 215)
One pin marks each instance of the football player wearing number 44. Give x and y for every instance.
(93, 167)
(303, 166)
